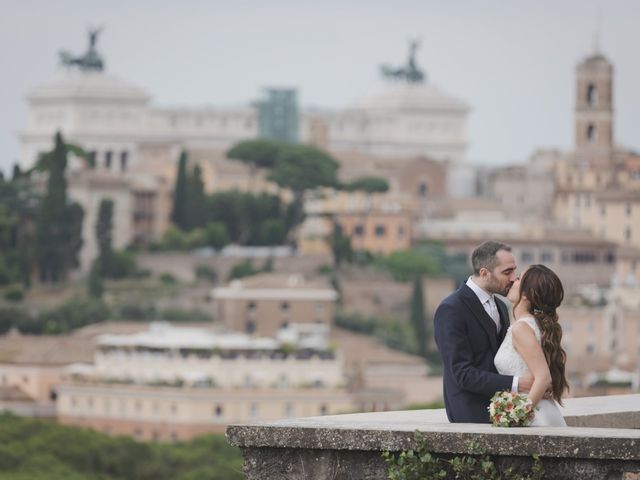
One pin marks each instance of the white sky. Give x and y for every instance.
(512, 60)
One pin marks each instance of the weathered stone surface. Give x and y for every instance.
(350, 446)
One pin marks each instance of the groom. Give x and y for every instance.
(470, 325)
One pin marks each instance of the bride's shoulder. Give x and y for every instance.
(525, 326)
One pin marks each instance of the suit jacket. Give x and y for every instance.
(467, 341)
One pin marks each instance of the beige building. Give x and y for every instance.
(525, 191)
(171, 383)
(577, 256)
(169, 414)
(264, 303)
(31, 369)
(600, 340)
(377, 232)
(598, 184)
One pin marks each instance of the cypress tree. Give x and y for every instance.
(104, 227)
(179, 213)
(58, 224)
(95, 286)
(196, 200)
(418, 320)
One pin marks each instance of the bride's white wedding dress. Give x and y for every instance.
(509, 362)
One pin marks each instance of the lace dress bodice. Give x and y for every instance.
(509, 362)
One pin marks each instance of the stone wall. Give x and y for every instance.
(602, 442)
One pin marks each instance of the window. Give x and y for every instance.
(627, 234)
(284, 306)
(218, 411)
(250, 326)
(253, 410)
(591, 133)
(423, 189)
(592, 95)
(323, 409)
(584, 257)
(603, 210)
(359, 230)
(627, 209)
(124, 158)
(591, 348)
(108, 156)
(526, 256)
(546, 256)
(251, 306)
(380, 230)
(400, 232)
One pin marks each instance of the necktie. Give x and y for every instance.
(493, 312)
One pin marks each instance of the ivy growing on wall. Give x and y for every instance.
(421, 464)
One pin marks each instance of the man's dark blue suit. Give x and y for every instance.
(468, 341)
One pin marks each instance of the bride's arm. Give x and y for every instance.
(526, 344)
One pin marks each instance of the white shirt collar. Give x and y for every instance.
(482, 295)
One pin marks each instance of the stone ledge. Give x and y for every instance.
(349, 446)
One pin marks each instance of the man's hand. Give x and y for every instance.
(526, 382)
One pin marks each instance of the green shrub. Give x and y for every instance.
(168, 279)
(11, 317)
(394, 333)
(14, 293)
(175, 314)
(204, 272)
(242, 269)
(136, 312)
(69, 316)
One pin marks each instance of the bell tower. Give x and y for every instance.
(594, 107)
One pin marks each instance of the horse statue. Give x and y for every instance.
(410, 72)
(91, 60)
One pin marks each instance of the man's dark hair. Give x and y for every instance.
(484, 256)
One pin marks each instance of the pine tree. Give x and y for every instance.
(179, 213)
(104, 228)
(418, 320)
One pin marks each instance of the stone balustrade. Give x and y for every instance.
(601, 442)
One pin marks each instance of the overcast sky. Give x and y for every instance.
(513, 61)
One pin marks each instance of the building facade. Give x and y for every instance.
(264, 303)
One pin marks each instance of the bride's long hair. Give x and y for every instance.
(545, 293)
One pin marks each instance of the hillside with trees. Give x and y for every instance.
(43, 450)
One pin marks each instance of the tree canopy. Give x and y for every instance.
(367, 184)
(259, 153)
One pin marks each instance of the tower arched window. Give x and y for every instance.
(592, 95)
(591, 133)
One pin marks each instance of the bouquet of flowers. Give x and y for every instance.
(508, 409)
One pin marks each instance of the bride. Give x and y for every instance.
(532, 343)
